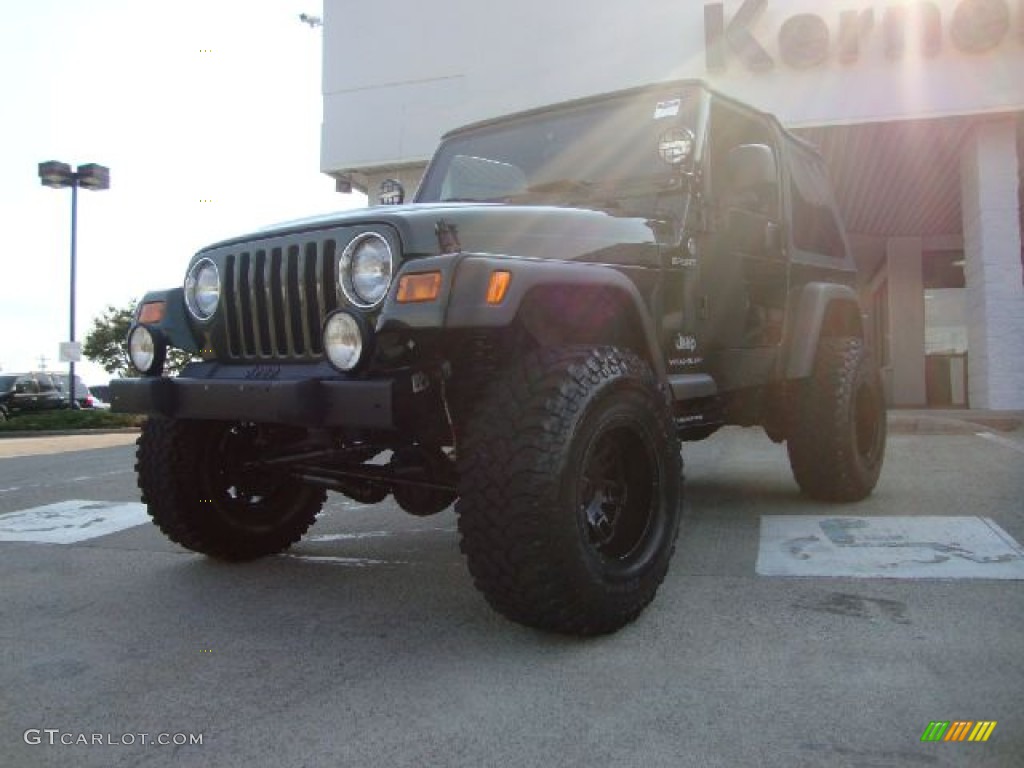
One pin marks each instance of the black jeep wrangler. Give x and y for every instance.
(574, 290)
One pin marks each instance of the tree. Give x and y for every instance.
(107, 344)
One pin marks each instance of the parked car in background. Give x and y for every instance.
(7, 384)
(83, 396)
(101, 392)
(25, 392)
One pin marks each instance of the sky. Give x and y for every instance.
(207, 113)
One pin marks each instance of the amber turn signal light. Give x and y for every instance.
(152, 312)
(424, 286)
(498, 286)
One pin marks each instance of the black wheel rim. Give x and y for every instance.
(616, 495)
(244, 496)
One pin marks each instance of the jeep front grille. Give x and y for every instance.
(276, 298)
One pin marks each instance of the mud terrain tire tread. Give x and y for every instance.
(526, 548)
(823, 444)
(170, 455)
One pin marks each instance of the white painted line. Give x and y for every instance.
(351, 562)
(1003, 441)
(66, 481)
(67, 522)
(321, 537)
(927, 547)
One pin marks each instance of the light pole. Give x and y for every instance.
(57, 175)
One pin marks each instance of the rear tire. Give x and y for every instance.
(201, 496)
(837, 440)
(569, 487)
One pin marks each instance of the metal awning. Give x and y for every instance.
(896, 179)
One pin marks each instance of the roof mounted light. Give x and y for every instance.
(391, 192)
(676, 145)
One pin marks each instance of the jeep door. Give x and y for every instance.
(743, 270)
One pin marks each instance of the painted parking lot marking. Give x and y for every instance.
(926, 547)
(1006, 442)
(65, 481)
(351, 562)
(319, 538)
(68, 522)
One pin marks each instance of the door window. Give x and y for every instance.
(815, 227)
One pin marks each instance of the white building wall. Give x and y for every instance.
(397, 75)
(906, 374)
(995, 284)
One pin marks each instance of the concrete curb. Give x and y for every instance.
(966, 422)
(62, 432)
(901, 422)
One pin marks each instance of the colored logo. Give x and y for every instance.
(958, 730)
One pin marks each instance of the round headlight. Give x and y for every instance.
(343, 341)
(365, 269)
(144, 350)
(676, 145)
(202, 289)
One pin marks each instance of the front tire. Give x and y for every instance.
(199, 491)
(837, 443)
(569, 487)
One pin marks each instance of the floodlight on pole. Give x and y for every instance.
(57, 175)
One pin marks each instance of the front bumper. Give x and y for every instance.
(366, 404)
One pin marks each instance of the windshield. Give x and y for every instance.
(7, 383)
(604, 155)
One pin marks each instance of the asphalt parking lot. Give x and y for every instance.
(366, 644)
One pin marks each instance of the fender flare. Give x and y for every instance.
(463, 304)
(174, 326)
(816, 310)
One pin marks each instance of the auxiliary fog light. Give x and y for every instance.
(146, 350)
(345, 340)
